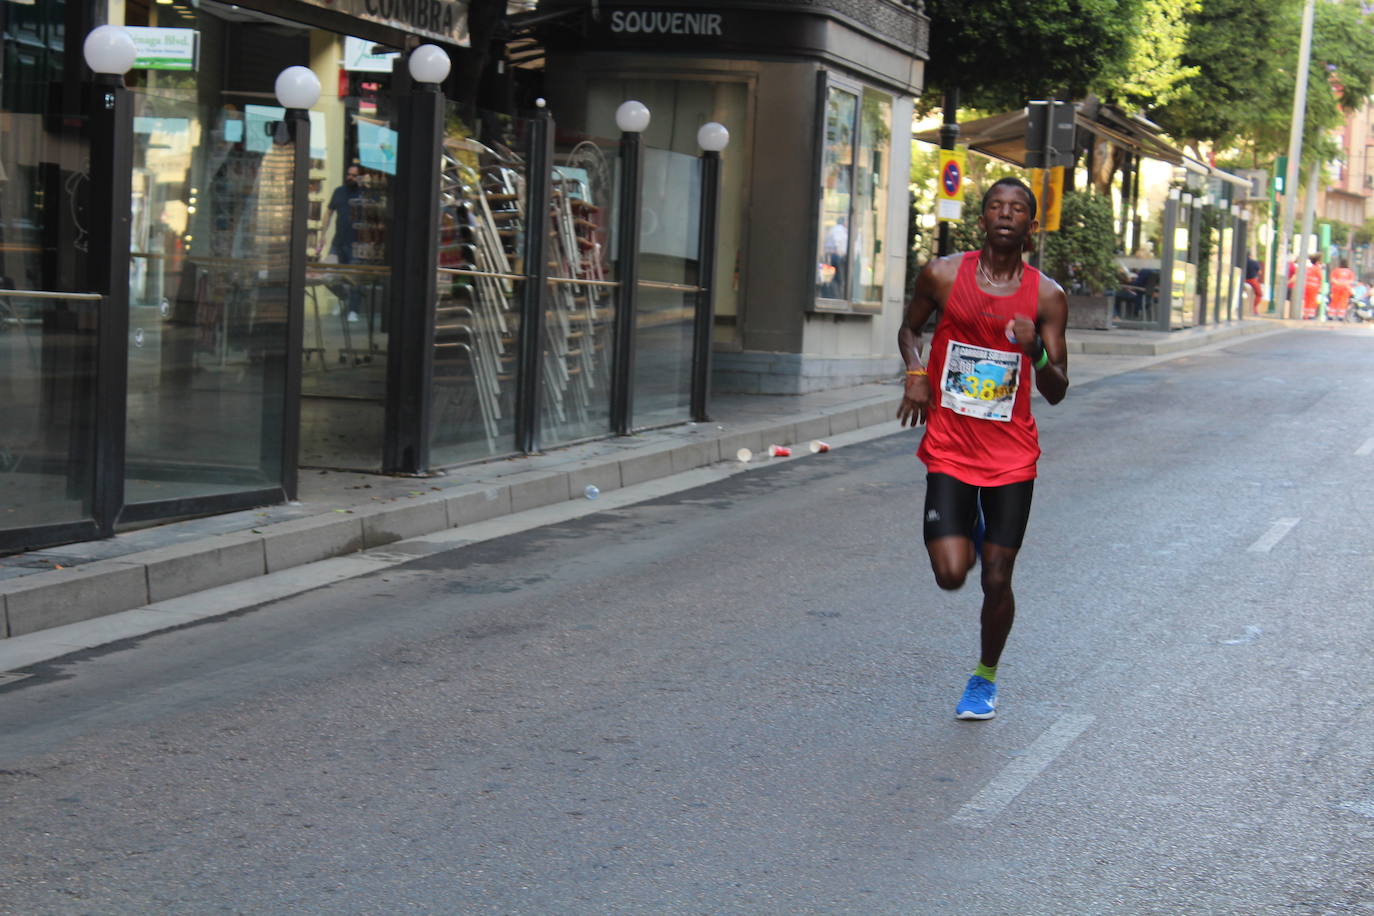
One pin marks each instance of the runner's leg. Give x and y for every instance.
(950, 512)
(1006, 511)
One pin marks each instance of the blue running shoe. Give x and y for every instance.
(980, 699)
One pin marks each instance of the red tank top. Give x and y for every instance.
(979, 428)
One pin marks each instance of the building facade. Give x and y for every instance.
(203, 289)
(818, 97)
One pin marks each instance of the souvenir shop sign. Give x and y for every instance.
(444, 20)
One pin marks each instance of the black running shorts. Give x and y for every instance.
(952, 510)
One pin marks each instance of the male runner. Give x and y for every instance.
(1001, 322)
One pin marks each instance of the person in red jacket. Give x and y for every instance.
(1001, 326)
(1312, 284)
(1342, 282)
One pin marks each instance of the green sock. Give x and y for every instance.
(986, 673)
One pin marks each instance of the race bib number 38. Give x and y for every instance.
(978, 382)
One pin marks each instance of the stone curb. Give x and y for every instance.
(1176, 343)
(53, 598)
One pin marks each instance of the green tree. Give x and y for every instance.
(1000, 53)
(1079, 255)
(1245, 55)
(1151, 72)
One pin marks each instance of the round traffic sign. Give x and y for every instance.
(952, 177)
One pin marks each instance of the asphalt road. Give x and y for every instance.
(740, 699)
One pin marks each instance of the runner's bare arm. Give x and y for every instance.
(1053, 380)
(932, 288)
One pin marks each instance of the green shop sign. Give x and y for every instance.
(164, 49)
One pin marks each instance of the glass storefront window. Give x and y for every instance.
(668, 227)
(208, 299)
(871, 198)
(482, 206)
(47, 409)
(679, 107)
(348, 270)
(854, 197)
(837, 190)
(667, 297)
(579, 322)
(210, 256)
(48, 339)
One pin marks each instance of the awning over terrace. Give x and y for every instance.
(1003, 136)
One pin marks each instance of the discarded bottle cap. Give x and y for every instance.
(744, 455)
(779, 451)
(591, 492)
(817, 446)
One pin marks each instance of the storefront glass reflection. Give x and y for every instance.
(871, 198)
(482, 222)
(837, 190)
(47, 416)
(581, 298)
(208, 298)
(669, 263)
(354, 144)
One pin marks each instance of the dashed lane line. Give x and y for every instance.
(1277, 532)
(984, 807)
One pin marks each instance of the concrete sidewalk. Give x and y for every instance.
(341, 513)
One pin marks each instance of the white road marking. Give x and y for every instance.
(1277, 532)
(996, 795)
(1367, 448)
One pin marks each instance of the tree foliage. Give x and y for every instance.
(1000, 53)
(1152, 72)
(1245, 54)
(1079, 255)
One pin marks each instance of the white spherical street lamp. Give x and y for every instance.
(429, 64)
(713, 137)
(298, 87)
(632, 117)
(109, 50)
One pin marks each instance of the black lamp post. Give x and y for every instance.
(632, 118)
(415, 248)
(712, 138)
(110, 52)
(297, 89)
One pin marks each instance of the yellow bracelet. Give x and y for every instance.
(917, 372)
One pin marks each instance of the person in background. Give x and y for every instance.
(1312, 285)
(1359, 293)
(341, 207)
(1342, 283)
(1252, 272)
(837, 256)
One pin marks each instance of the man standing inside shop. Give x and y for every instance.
(1001, 324)
(341, 205)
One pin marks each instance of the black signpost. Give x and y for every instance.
(1049, 142)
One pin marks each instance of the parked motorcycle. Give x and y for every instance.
(1361, 309)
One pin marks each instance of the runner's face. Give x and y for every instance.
(1007, 219)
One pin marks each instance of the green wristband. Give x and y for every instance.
(1044, 359)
